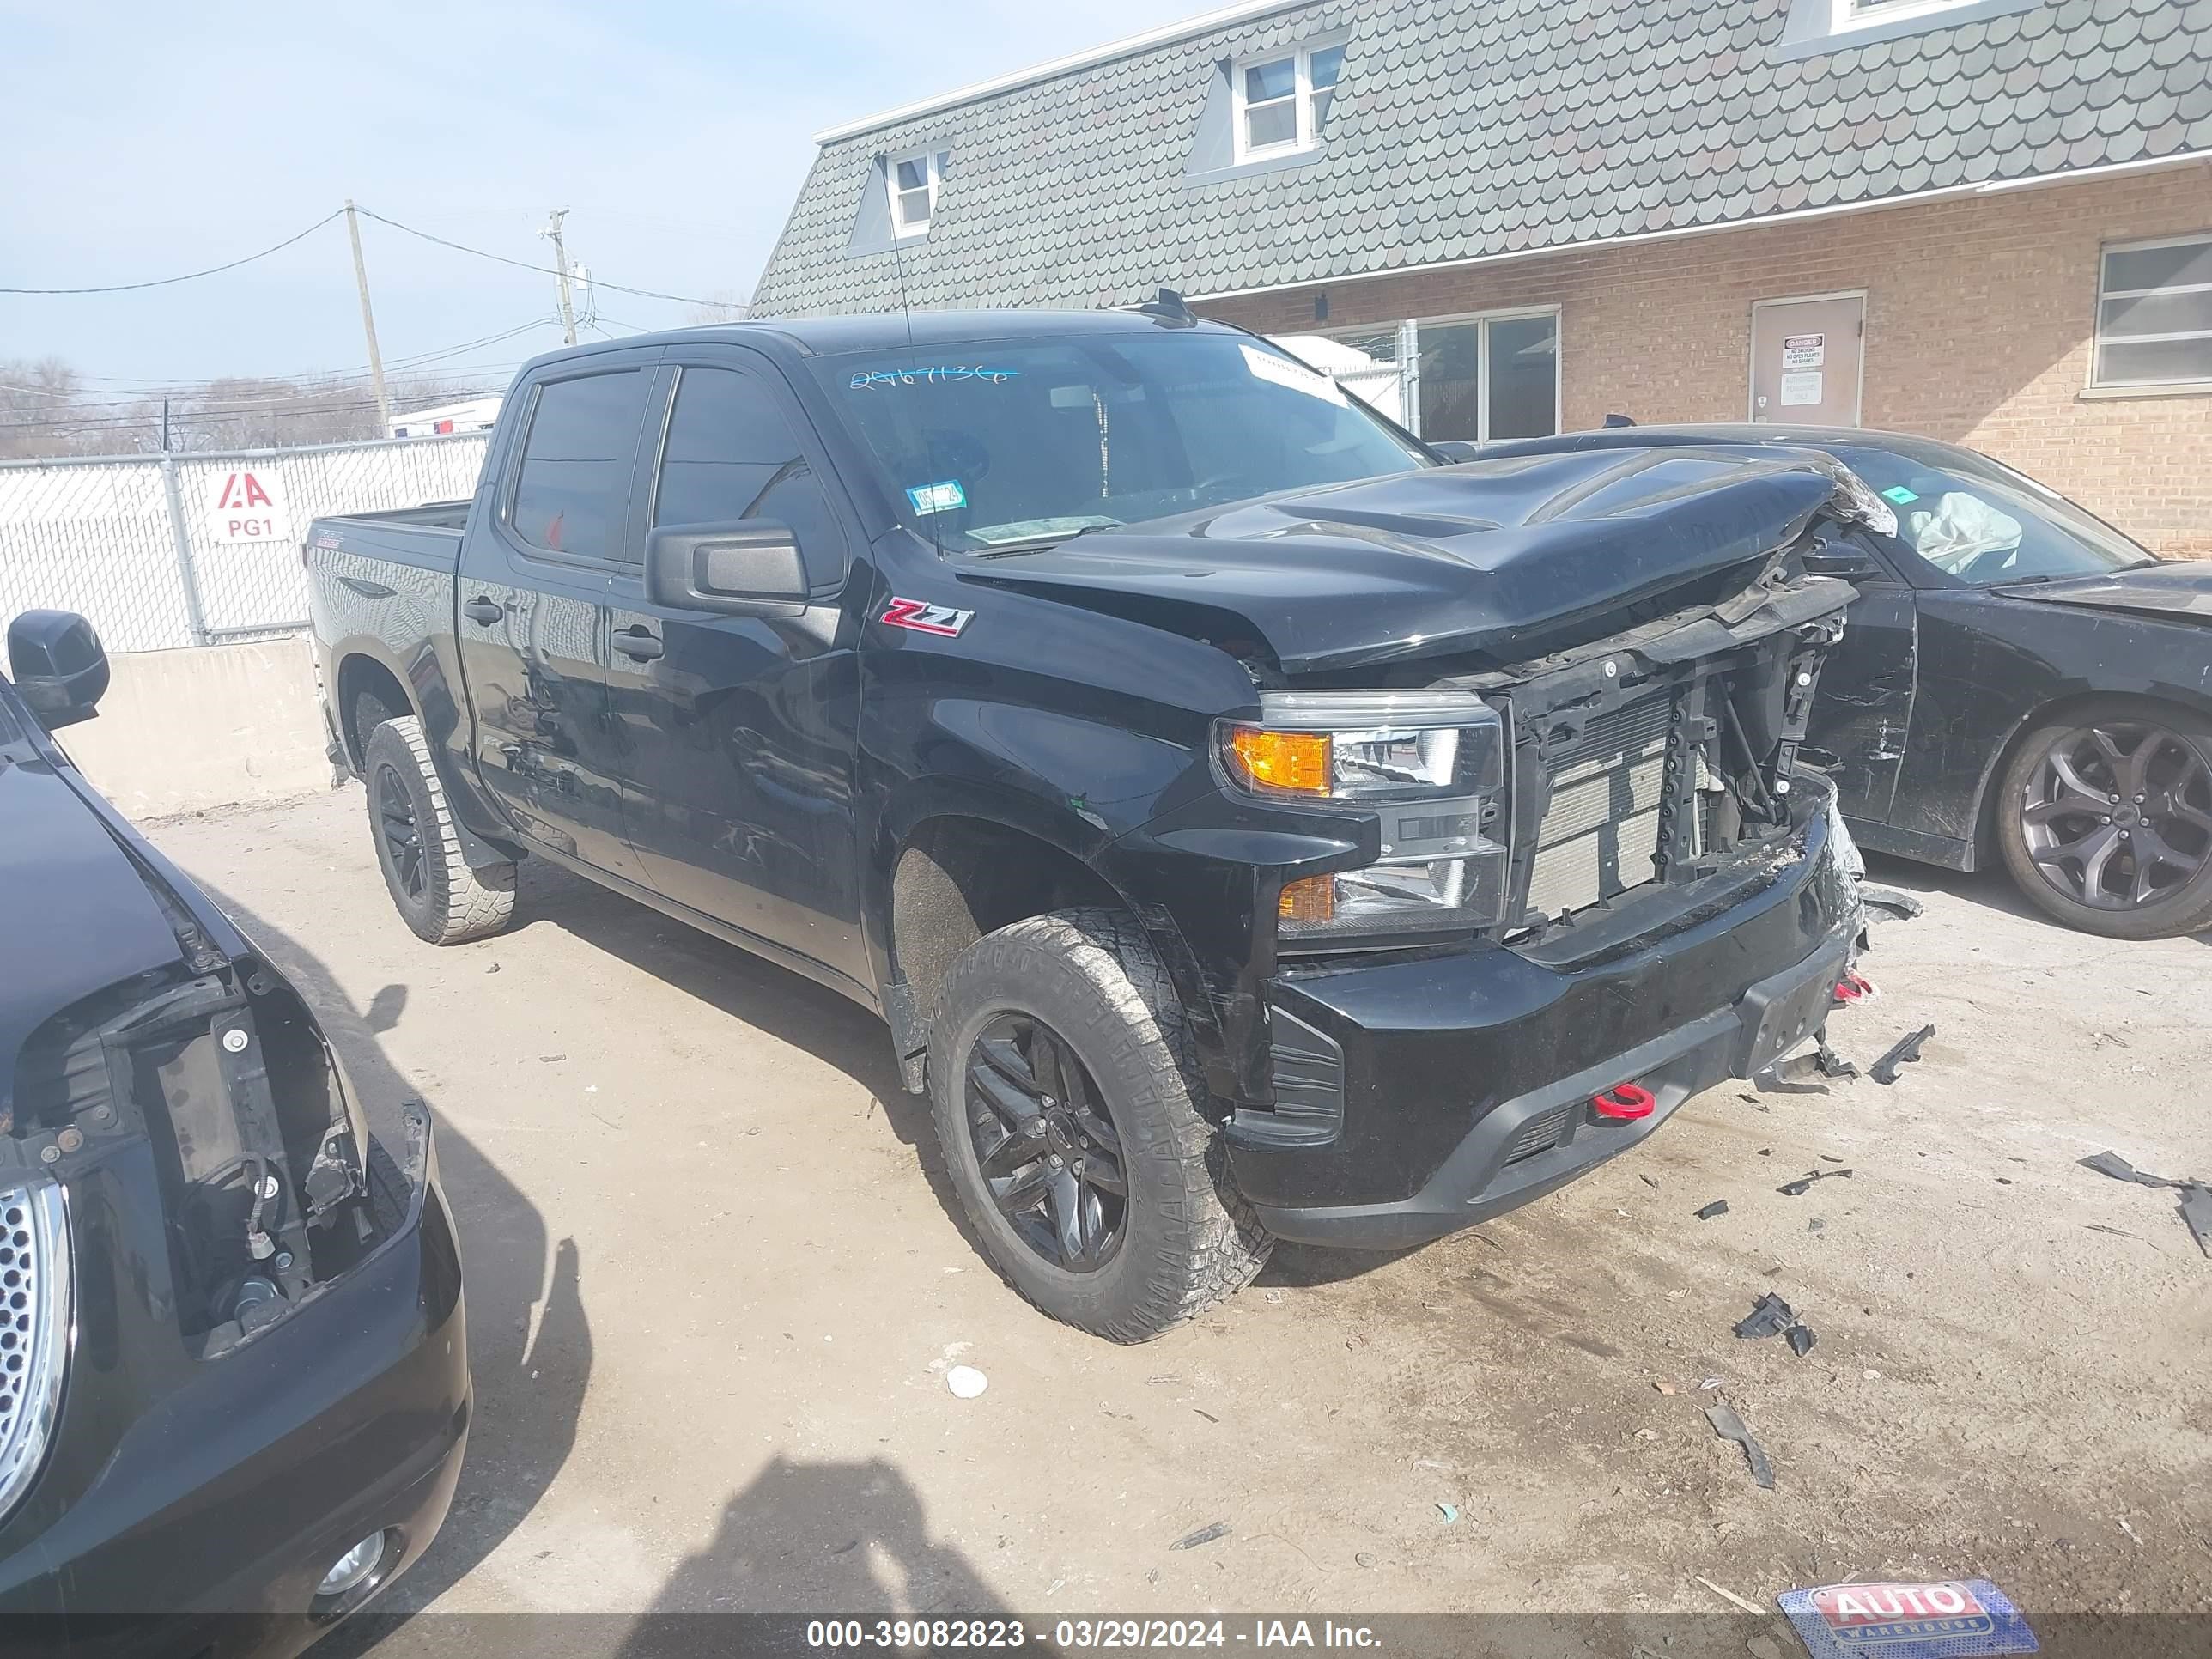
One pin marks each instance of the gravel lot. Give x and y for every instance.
(716, 1276)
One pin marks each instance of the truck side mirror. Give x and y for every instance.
(59, 666)
(1457, 449)
(746, 566)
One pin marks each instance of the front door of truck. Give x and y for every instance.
(740, 732)
(537, 571)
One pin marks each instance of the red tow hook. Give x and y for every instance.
(1625, 1101)
(1853, 987)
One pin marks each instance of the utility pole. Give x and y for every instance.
(552, 233)
(369, 321)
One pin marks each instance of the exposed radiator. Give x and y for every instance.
(1601, 831)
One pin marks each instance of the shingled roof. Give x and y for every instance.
(1465, 128)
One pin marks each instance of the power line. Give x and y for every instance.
(544, 270)
(190, 275)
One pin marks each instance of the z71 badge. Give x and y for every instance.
(926, 618)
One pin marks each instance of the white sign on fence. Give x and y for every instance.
(249, 507)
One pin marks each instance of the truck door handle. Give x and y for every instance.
(482, 610)
(637, 643)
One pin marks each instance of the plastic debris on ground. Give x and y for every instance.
(1718, 1207)
(1888, 904)
(1770, 1316)
(1801, 1339)
(1203, 1536)
(1448, 1513)
(966, 1382)
(1803, 1184)
(1727, 1425)
(1904, 1051)
(2195, 1208)
(1907, 1621)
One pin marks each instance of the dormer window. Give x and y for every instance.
(1859, 14)
(1283, 100)
(913, 180)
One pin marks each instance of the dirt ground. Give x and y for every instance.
(716, 1278)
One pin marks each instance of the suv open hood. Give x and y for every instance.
(2180, 592)
(1446, 560)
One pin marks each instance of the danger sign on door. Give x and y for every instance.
(248, 506)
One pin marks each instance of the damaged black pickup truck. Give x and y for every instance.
(233, 1379)
(1248, 824)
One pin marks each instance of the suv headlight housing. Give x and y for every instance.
(1433, 766)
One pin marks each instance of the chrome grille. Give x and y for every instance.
(1601, 833)
(34, 1329)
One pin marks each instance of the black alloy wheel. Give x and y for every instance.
(400, 830)
(2118, 816)
(1045, 1144)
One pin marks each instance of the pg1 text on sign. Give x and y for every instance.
(248, 506)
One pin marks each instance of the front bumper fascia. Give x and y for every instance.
(1467, 1078)
(209, 1525)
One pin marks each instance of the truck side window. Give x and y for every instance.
(573, 485)
(731, 454)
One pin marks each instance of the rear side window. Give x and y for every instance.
(573, 483)
(730, 455)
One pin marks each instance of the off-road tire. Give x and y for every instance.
(2187, 910)
(1190, 1240)
(455, 903)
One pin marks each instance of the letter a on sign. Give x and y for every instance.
(248, 506)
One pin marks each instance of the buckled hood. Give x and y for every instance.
(1450, 559)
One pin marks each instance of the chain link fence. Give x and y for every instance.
(167, 551)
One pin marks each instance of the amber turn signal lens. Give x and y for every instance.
(1313, 899)
(1296, 761)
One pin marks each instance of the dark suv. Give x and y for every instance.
(234, 1378)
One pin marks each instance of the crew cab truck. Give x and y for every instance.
(1249, 822)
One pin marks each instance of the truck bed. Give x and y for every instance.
(428, 536)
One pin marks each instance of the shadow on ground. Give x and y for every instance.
(525, 1313)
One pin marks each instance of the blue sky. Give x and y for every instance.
(141, 141)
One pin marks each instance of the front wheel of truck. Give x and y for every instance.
(419, 848)
(1066, 1097)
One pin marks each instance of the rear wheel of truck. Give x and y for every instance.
(418, 844)
(1067, 1098)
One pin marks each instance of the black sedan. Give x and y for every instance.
(2019, 681)
(233, 1379)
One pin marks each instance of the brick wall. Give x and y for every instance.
(1978, 319)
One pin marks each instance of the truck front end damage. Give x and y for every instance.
(1533, 890)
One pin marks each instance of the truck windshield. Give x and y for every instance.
(990, 447)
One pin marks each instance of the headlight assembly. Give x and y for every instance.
(1431, 764)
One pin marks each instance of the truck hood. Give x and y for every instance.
(1477, 557)
(2179, 592)
(76, 909)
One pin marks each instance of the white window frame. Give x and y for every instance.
(1865, 14)
(2097, 340)
(1301, 98)
(1408, 364)
(901, 229)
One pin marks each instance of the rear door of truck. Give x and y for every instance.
(559, 526)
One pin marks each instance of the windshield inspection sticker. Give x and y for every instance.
(1281, 371)
(1946, 1620)
(1900, 495)
(924, 617)
(938, 497)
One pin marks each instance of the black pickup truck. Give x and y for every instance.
(1250, 821)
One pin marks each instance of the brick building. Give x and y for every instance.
(1987, 221)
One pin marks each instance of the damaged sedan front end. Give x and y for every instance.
(232, 1360)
